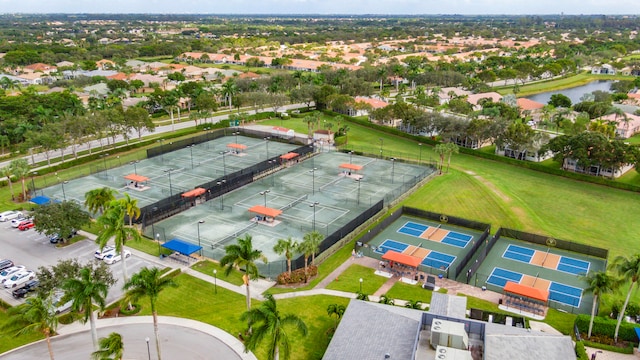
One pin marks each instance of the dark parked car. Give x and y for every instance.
(55, 238)
(5, 264)
(28, 287)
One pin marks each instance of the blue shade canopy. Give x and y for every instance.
(40, 200)
(182, 247)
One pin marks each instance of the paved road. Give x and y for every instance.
(180, 339)
(95, 144)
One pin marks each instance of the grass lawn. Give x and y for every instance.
(349, 280)
(9, 338)
(224, 309)
(403, 291)
(207, 267)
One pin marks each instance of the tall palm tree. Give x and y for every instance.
(287, 247)
(97, 200)
(628, 269)
(271, 326)
(7, 172)
(84, 292)
(242, 255)
(600, 282)
(111, 348)
(113, 227)
(131, 208)
(312, 241)
(37, 314)
(229, 90)
(149, 283)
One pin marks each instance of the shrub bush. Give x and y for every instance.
(68, 318)
(135, 308)
(606, 327)
(622, 350)
(297, 276)
(581, 353)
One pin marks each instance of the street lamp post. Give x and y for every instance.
(420, 156)
(381, 144)
(159, 247)
(313, 180)
(393, 168)
(64, 195)
(148, 350)
(361, 280)
(221, 193)
(264, 193)
(168, 171)
(358, 181)
(215, 281)
(200, 222)
(315, 203)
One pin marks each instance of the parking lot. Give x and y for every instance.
(32, 249)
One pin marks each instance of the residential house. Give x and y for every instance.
(596, 170)
(136, 65)
(40, 67)
(605, 69)
(474, 99)
(446, 93)
(35, 78)
(530, 108)
(65, 64)
(626, 125)
(105, 64)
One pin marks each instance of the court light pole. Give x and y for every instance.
(313, 180)
(159, 247)
(358, 181)
(191, 150)
(168, 171)
(350, 156)
(215, 281)
(361, 280)
(393, 168)
(135, 166)
(381, 144)
(266, 139)
(315, 203)
(104, 162)
(236, 133)
(153, 218)
(33, 184)
(420, 156)
(200, 222)
(221, 193)
(224, 163)
(264, 193)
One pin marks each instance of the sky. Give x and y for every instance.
(391, 7)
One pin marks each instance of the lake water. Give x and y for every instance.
(574, 93)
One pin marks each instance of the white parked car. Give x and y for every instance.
(9, 215)
(100, 254)
(114, 257)
(8, 272)
(15, 222)
(19, 278)
(60, 306)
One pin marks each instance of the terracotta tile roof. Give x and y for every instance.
(526, 104)
(40, 67)
(374, 103)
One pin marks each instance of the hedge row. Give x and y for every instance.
(581, 353)
(606, 327)
(609, 347)
(524, 164)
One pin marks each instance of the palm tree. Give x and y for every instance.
(451, 149)
(287, 247)
(229, 90)
(242, 255)
(414, 304)
(131, 208)
(337, 310)
(84, 292)
(149, 283)
(384, 299)
(97, 200)
(313, 241)
(270, 325)
(37, 314)
(600, 282)
(111, 348)
(628, 269)
(441, 150)
(20, 168)
(7, 172)
(113, 227)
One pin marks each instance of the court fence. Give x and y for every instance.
(557, 243)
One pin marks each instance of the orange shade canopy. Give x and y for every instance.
(137, 178)
(236, 146)
(194, 192)
(288, 156)
(526, 291)
(351, 167)
(266, 211)
(402, 258)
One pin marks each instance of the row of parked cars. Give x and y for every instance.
(109, 255)
(18, 220)
(17, 278)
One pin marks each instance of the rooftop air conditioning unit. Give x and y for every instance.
(446, 353)
(448, 334)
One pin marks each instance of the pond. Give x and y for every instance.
(574, 93)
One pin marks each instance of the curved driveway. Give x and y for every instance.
(180, 339)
